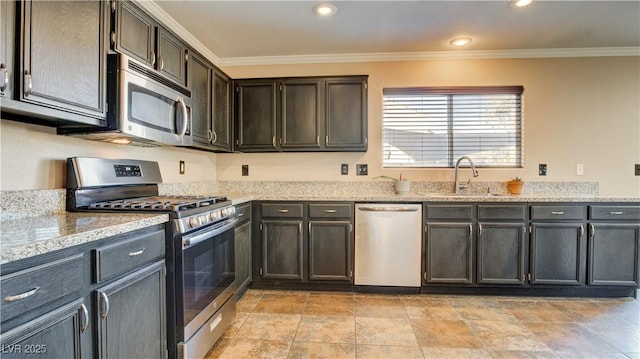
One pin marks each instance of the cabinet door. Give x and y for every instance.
(449, 251)
(172, 56)
(300, 120)
(557, 253)
(50, 76)
(243, 257)
(222, 107)
(131, 315)
(501, 253)
(282, 250)
(346, 114)
(330, 250)
(135, 33)
(61, 333)
(7, 46)
(614, 252)
(256, 115)
(200, 85)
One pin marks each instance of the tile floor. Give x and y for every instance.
(298, 324)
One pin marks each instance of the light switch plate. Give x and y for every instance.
(637, 169)
(362, 170)
(344, 169)
(579, 169)
(542, 169)
(245, 170)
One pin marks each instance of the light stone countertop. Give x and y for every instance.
(27, 237)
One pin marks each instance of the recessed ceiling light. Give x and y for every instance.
(325, 9)
(460, 41)
(521, 3)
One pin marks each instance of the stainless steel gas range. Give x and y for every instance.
(200, 253)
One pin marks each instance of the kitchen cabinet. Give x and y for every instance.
(331, 242)
(501, 244)
(614, 245)
(51, 87)
(211, 105)
(449, 244)
(243, 249)
(301, 114)
(140, 36)
(282, 241)
(558, 251)
(7, 43)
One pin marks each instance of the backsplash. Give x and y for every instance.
(24, 204)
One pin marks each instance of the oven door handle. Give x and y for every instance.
(208, 233)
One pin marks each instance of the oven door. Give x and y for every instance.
(208, 274)
(153, 111)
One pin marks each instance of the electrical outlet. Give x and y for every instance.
(181, 168)
(637, 169)
(542, 169)
(245, 170)
(344, 169)
(579, 169)
(362, 170)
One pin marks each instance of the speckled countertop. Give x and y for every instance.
(26, 237)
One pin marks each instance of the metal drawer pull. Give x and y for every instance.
(330, 211)
(557, 213)
(13, 298)
(28, 84)
(240, 214)
(104, 307)
(581, 231)
(388, 209)
(85, 318)
(5, 77)
(616, 213)
(136, 253)
(283, 211)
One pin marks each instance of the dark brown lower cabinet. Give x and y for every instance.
(243, 257)
(449, 253)
(330, 250)
(282, 249)
(557, 253)
(614, 252)
(501, 253)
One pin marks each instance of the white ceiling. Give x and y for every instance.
(281, 31)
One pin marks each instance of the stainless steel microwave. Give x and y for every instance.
(144, 108)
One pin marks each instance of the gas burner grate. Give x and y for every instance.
(161, 203)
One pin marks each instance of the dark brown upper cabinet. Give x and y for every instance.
(301, 114)
(46, 85)
(211, 105)
(138, 35)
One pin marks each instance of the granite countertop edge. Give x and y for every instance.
(28, 237)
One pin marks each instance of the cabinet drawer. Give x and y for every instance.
(338, 210)
(243, 212)
(501, 212)
(123, 256)
(557, 212)
(282, 210)
(33, 287)
(615, 212)
(450, 212)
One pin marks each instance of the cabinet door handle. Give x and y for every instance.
(479, 230)
(136, 253)
(13, 298)
(28, 84)
(282, 211)
(104, 305)
(160, 63)
(209, 135)
(616, 213)
(592, 230)
(153, 58)
(214, 137)
(85, 318)
(330, 211)
(5, 78)
(557, 213)
(318, 140)
(581, 231)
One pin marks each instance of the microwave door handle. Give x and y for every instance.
(184, 116)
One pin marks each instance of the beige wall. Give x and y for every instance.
(34, 157)
(576, 110)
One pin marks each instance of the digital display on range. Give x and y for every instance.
(127, 170)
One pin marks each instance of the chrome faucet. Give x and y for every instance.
(457, 185)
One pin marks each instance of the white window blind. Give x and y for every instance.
(433, 127)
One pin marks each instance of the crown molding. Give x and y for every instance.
(168, 21)
(432, 55)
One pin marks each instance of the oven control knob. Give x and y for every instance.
(193, 222)
(204, 219)
(215, 215)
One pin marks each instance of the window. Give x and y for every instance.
(433, 127)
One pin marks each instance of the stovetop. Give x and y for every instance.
(160, 203)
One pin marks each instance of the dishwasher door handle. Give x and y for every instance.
(388, 209)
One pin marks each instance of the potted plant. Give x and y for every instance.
(402, 185)
(515, 185)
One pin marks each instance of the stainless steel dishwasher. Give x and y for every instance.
(388, 244)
